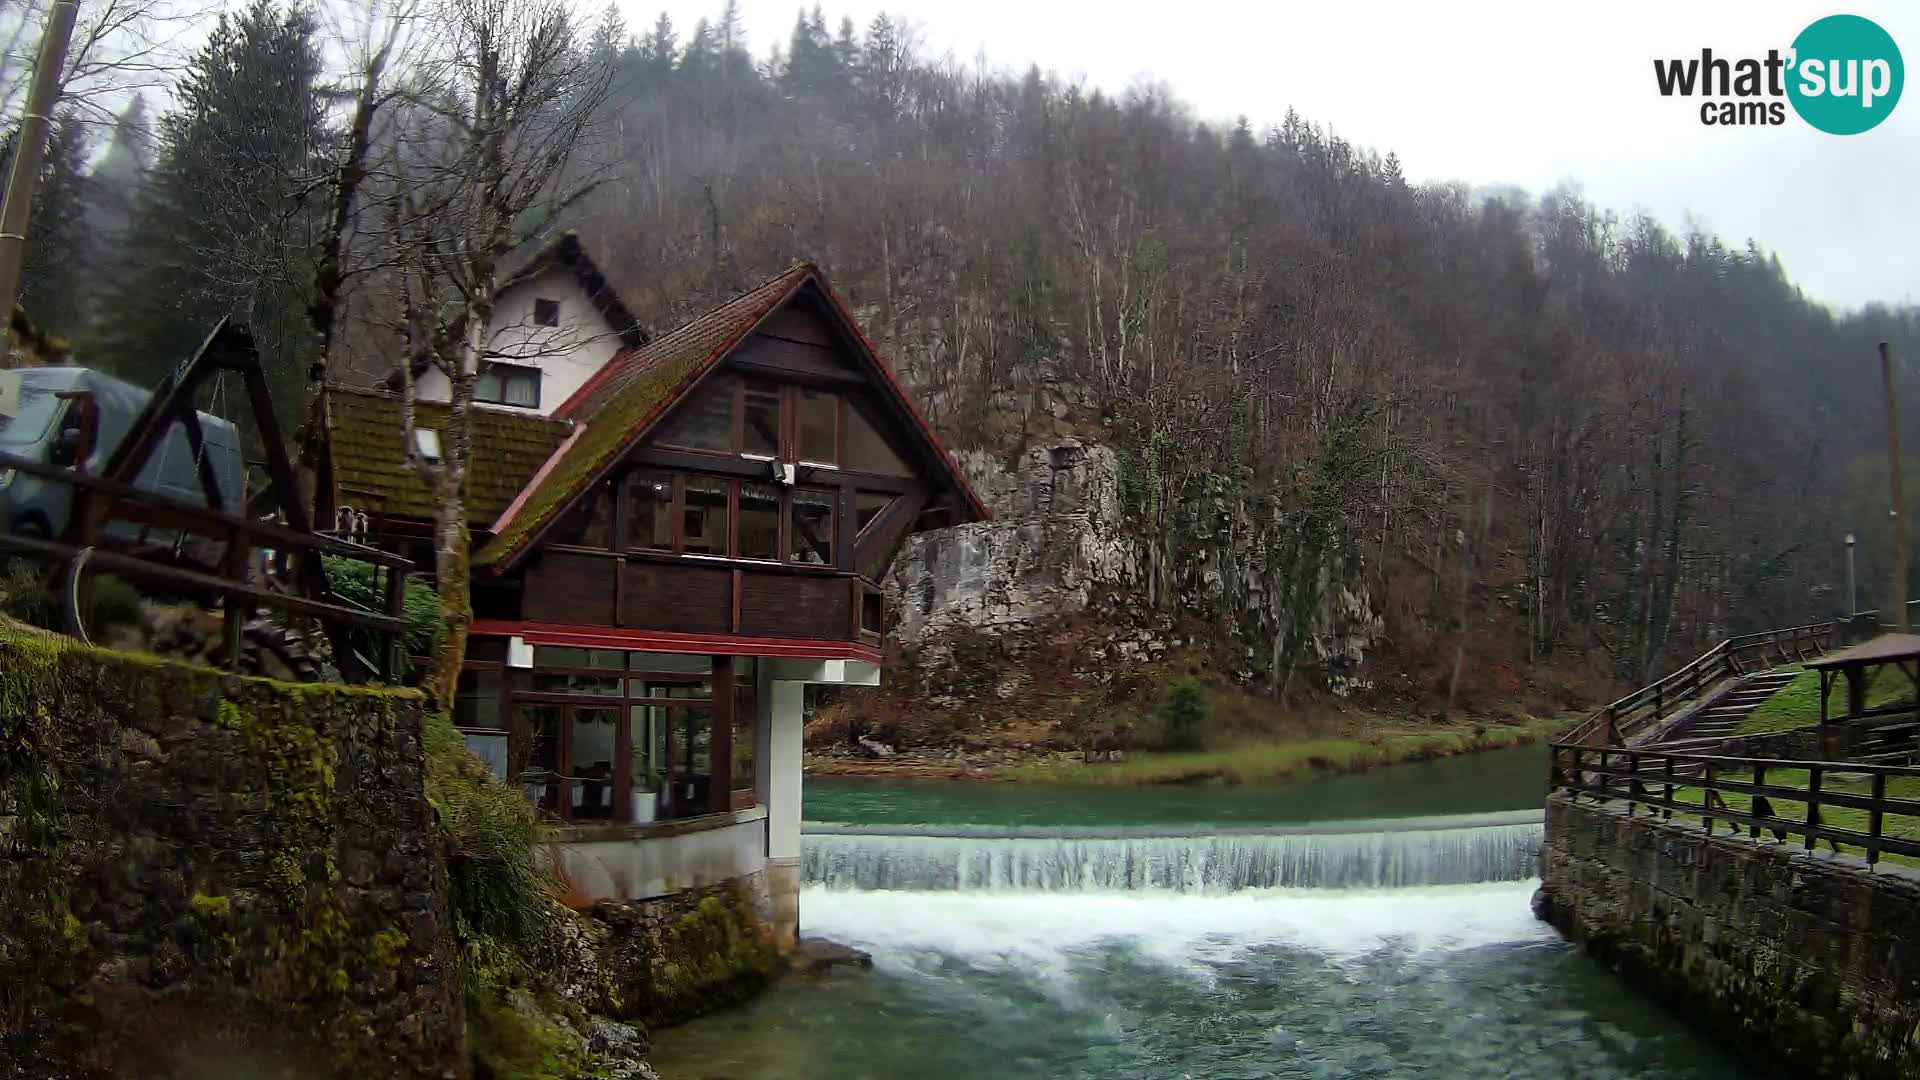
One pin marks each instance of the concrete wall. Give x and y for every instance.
(1808, 963)
(567, 354)
(214, 875)
(623, 864)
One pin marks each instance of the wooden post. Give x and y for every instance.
(234, 568)
(1666, 811)
(393, 652)
(1856, 691)
(1902, 619)
(1873, 818)
(1706, 798)
(1759, 780)
(720, 782)
(1813, 803)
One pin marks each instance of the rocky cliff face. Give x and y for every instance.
(1072, 557)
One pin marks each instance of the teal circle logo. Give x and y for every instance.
(1846, 76)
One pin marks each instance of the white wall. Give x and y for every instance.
(688, 857)
(567, 354)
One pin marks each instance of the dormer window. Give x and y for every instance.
(508, 384)
(546, 312)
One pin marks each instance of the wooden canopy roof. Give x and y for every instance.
(1885, 649)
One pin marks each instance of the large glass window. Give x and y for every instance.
(745, 705)
(593, 742)
(812, 532)
(759, 521)
(868, 451)
(760, 428)
(705, 422)
(589, 522)
(819, 426)
(706, 516)
(649, 509)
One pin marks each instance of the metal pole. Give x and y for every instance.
(1853, 594)
(28, 150)
(1899, 519)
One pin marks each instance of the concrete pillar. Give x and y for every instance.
(785, 722)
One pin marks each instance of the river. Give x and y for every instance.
(1040, 931)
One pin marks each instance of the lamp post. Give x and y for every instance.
(1853, 598)
(1899, 518)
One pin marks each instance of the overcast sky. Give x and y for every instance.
(1529, 94)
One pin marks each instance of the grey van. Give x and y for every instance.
(76, 416)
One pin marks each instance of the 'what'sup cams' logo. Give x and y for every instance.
(1843, 75)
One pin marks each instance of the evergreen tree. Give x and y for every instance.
(221, 227)
(54, 271)
(660, 50)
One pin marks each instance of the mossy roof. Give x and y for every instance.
(370, 469)
(626, 398)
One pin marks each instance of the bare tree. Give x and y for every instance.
(486, 148)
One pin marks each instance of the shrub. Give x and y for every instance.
(1184, 715)
(356, 582)
(497, 891)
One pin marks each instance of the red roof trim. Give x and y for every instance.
(612, 637)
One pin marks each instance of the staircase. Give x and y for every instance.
(1721, 718)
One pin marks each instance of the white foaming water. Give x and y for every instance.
(1429, 852)
(1040, 932)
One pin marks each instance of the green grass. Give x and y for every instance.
(1795, 811)
(1268, 761)
(1798, 703)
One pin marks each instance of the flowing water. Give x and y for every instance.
(1015, 946)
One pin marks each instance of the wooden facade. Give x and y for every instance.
(727, 494)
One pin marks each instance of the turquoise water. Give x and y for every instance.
(1211, 934)
(1470, 783)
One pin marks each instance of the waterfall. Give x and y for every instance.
(1371, 854)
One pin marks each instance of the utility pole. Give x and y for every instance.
(1853, 595)
(28, 150)
(1899, 520)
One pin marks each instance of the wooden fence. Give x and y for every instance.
(98, 499)
(1697, 785)
(1617, 721)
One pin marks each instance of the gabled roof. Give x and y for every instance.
(627, 397)
(565, 252)
(369, 459)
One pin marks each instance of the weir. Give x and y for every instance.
(1203, 859)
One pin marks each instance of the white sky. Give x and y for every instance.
(1489, 92)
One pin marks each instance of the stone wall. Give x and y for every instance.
(203, 874)
(1809, 963)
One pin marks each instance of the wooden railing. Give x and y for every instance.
(239, 537)
(1617, 721)
(1697, 785)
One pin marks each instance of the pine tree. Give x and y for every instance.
(54, 272)
(221, 228)
(660, 50)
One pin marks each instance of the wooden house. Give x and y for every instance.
(663, 558)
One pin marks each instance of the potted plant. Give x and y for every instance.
(646, 791)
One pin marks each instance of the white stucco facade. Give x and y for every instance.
(567, 354)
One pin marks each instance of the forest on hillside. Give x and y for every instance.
(1620, 439)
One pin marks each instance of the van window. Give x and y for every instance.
(38, 407)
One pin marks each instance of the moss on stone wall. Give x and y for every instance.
(682, 956)
(198, 859)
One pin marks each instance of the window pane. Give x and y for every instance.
(867, 505)
(593, 761)
(589, 523)
(867, 451)
(761, 432)
(611, 659)
(649, 736)
(654, 661)
(558, 656)
(819, 412)
(649, 510)
(812, 527)
(486, 387)
(547, 682)
(743, 722)
(522, 388)
(706, 523)
(705, 422)
(490, 749)
(476, 703)
(759, 521)
(649, 688)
